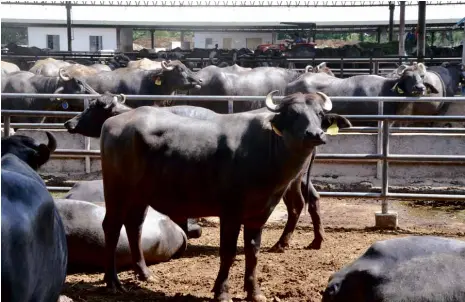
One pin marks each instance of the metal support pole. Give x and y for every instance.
(68, 25)
(402, 28)
(378, 35)
(421, 43)
(379, 141)
(6, 125)
(433, 33)
(385, 178)
(152, 39)
(391, 19)
(87, 141)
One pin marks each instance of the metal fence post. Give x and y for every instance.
(87, 141)
(6, 125)
(379, 141)
(385, 168)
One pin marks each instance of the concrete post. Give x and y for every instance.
(391, 19)
(126, 40)
(152, 38)
(401, 28)
(68, 25)
(421, 42)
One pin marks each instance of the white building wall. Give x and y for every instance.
(239, 40)
(37, 36)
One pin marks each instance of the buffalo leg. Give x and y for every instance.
(190, 227)
(252, 241)
(112, 224)
(314, 211)
(229, 232)
(133, 223)
(294, 202)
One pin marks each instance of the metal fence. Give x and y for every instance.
(383, 156)
(370, 65)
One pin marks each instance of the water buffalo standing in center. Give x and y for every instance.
(300, 192)
(236, 167)
(409, 82)
(34, 251)
(413, 268)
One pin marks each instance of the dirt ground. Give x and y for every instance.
(296, 275)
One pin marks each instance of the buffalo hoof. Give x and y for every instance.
(277, 248)
(224, 297)
(195, 231)
(315, 245)
(257, 298)
(114, 285)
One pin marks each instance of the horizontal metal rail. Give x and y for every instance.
(384, 156)
(433, 130)
(235, 98)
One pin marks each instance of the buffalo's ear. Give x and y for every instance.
(43, 155)
(431, 88)
(332, 118)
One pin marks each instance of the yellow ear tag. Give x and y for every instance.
(158, 81)
(333, 129)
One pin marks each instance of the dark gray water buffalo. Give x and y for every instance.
(451, 75)
(173, 75)
(90, 122)
(414, 268)
(409, 82)
(237, 167)
(27, 82)
(34, 251)
(8, 67)
(92, 191)
(227, 81)
(161, 240)
(48, 67)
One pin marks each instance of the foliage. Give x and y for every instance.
(16, 35)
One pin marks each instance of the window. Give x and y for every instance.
(95, 43)
(227, 43)
(53, 42)
(208, 43)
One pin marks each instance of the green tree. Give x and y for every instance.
(16, 35)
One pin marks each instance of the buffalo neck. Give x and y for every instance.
(44, 84)
(119, 109)
(293, 75)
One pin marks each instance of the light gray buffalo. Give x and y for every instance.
(161, 238)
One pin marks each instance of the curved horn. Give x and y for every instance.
(308, 68)
(123, 98)
(165, 66)
(321, 66)
(269, 102)
(62, 75)
(327, 104)
(52, 142)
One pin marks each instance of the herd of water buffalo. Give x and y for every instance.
(148, 77)
(197, 161)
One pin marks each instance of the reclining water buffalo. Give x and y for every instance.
(300, 192)
(27, 82)
(34, 251)
(92, 191)
(414, 268)
(162, 239)
(173, 75)
(236, 167)
(409, 82)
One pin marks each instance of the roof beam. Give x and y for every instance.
(223, 3)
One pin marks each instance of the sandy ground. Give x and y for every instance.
(296, 275)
